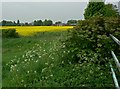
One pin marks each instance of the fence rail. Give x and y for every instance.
(115, 39)
(116, 62)
(114, 77)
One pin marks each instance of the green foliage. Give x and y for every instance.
(93, 8)
(72, 22)
(8, 23)
(9, 33)
(110, 10)
(38, 23)
(36, 62)
(34, 23)
(47, 22)
(92, 36)
(18, 23)
(58, 23)
(100, 9)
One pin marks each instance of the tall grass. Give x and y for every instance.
(38, 61)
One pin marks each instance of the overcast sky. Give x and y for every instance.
(29, 11)
(56, 11)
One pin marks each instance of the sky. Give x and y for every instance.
(56, 11)
(28, 11)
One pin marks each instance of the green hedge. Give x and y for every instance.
(92, 36)
(9, 33)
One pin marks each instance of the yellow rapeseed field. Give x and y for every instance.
(30, 30)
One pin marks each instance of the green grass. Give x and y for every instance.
(38, 61)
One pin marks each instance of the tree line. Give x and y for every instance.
(46, 22)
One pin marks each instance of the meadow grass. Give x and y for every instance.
(37, 61)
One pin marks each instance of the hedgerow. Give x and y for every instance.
(92, 36)
(9, 33)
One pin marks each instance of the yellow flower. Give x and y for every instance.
(31, 30)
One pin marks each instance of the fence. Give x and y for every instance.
(116, 62)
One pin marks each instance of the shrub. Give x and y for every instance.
(9, 33)
(92, 36)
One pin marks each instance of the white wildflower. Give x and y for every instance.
(35, 72)
(22, 81)
(63, 46)
(62, 62)
(11, 70)
(36, 61)
(25, 60)
(28, 59)
(46, 63)
(39, 56)
(43, 70)
(52, 57)
(28, 71)
(63, 51)
(51, 75)
(46, 77)
(18, 61)
(73, 69)
(23, 56)
(31, 56)
(52, 65)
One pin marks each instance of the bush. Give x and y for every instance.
(92, 36)
(9, 33)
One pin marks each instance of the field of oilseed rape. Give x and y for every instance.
(31, 30)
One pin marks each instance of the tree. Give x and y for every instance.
(99, 8)
(18, 23)
(10, 23)
(71, 22)
(4, 23)
(47, 22)
(38, 23)
(110, 10)
(14, 23)
(0, 23)
(35, 23)
(93, 8)
(58, 23)
(26, 24)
